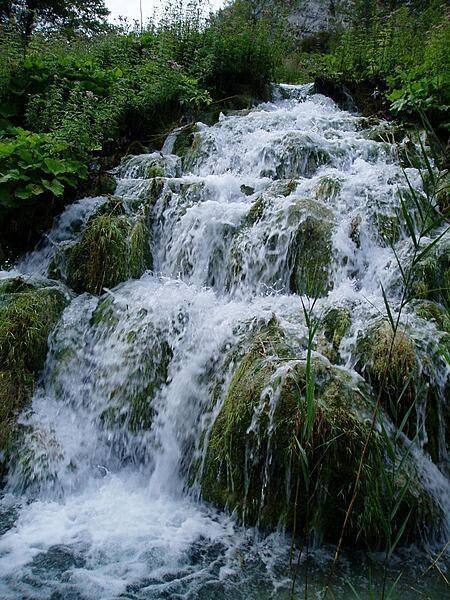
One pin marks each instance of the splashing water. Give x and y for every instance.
(97, 503)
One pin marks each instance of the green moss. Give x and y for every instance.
(391, 366)
(335, 324)
(253, 462)
(112, 248)
(328, 188)
(432, 311)
(404, 376)
(16, 388)
(140, 258)
(388, 227)
(247, 190)
(28, 314)
(283, 187)
(26, 319)
(256, 212)
(298, 156)
(311, 253)
(432, 274)
(185, 139)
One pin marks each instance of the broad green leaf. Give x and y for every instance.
(54, 186)
(55, 166)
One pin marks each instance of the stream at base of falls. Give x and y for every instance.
(104, 499)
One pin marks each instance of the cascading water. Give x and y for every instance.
(102, 499)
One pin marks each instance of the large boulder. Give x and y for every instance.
(28, 313)
(408, 377)
(112, 248)
(276, 458)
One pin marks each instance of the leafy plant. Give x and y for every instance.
(34, 165)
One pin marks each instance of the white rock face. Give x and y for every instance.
(313, 16)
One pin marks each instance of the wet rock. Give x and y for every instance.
(405, 376)
(335, 324)
(271, 452)
(28, 313)
(247, 190)
(112, 248)
(312, 252)
(328, 188)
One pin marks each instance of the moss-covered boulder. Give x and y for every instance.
(432, 275)
(406, 378)
(311, 252)
(184, 140)
(275, 459)
(113, 247)
(148, 166)
(28, 313)
(327, 188)
(433, 311)
(294, 155)
(146, 356)
(334, 325)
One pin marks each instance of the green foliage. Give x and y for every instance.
(400, 52)
(112, 249)
(34, 165)
(77, 15)
(76, 99)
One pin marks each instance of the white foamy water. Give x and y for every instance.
(101, 497)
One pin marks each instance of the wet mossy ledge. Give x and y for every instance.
(28, 314)
(113, 247)
(261, 464)
(410, 379)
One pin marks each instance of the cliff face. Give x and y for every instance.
(313, 16)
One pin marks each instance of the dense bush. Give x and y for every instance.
(68, 102)
(401, 54)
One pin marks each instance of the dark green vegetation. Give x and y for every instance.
(112, 248)
(275, 463)
(316, 456)
(75, 94)
(392, 58)
(28, 313)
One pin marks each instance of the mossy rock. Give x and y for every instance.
(184, 140)
(282, 187)
(147, 354)
(388, 227)
(131, 403)
(113, 248)
(401, 374)
(390, 364)
(335, 324)
(433, 311)
(16, 388)
(328, 188)
(256, 212)
(247, 190)
(266, 438)
(296, 156)
(28, 314)
(26, 319)
(311, 252)
(432, 274)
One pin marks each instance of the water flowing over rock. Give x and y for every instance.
(176, 381)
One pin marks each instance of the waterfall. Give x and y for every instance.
(264, 210)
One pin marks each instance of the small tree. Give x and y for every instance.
(74, 16)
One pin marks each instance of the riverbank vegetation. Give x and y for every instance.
(76, 93)
(392, 57)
